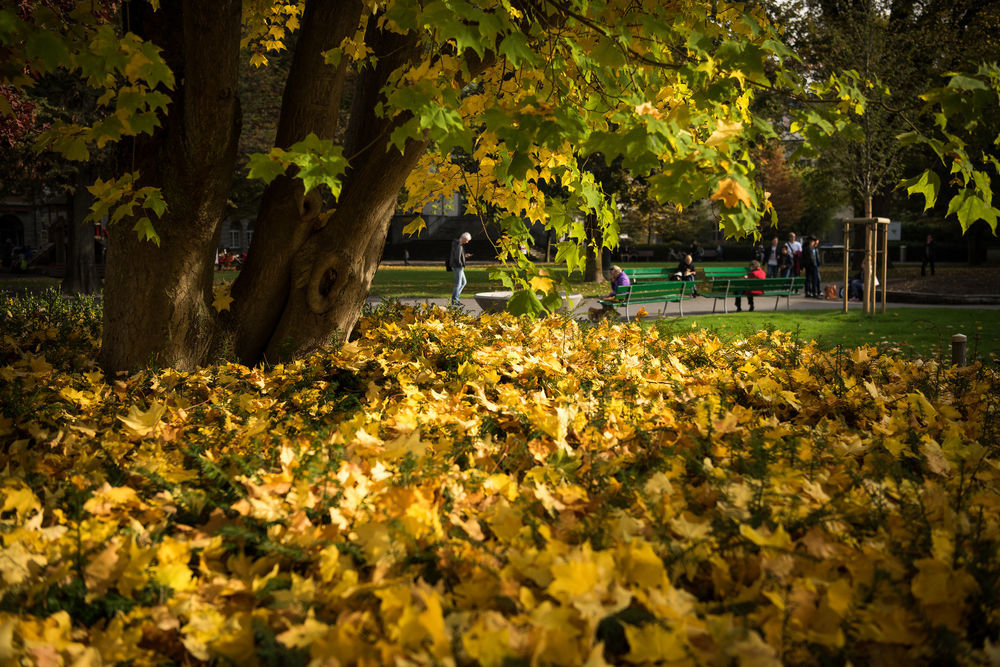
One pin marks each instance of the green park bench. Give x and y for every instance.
(652, 292)
(730, 288)
(712, 272)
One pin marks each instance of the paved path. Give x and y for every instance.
(703, 306)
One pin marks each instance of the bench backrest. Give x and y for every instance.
(724, 272)
(655, 290)
(737, 285)
(645, 274)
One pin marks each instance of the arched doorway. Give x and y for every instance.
(11, 228)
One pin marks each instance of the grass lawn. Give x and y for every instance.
(924, 332)
(31, 283)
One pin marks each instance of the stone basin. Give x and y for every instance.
(496, 302)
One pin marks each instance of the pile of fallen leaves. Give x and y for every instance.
(445, 490)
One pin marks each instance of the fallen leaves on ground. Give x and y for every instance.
(444, 490)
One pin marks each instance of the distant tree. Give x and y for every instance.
(784, 184)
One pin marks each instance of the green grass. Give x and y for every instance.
(923, 332)
(29, 283)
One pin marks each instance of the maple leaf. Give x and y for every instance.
(222, 301)
(724, 132)
(143, 422)
(731, 193)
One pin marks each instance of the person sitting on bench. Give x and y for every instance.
(686, 271)
(618, 279)
(757, 273)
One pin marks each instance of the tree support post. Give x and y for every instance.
(875, 250)
(958, 345)
(847, 262)
(885, 263)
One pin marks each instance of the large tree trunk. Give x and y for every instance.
(310, 104)
(158, 300)
(307, 277)
(977, 238)
(81, 272)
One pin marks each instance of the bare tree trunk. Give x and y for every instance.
(158, 300)
(81, 272)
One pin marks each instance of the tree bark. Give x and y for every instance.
(332, 270)
(977, 242)
(310, 104)
(158, 300)
(81, 272)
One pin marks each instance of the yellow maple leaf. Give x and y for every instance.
(647, 109)
(779, 538)
(642, 312)
(143, 422)
(18, 564)
(691, 530)
(222, 301)
(731, 193)
(488, 640)
(652, 643)
(542, 284)
(725, 131)
(21, 499)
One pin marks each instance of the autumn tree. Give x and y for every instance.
(784, 185)
(381, 94)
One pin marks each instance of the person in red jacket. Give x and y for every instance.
(755, 272)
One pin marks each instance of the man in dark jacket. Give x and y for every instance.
(810, 262)
(928, 256)
(457, 261)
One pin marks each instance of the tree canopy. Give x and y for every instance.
(506, 99)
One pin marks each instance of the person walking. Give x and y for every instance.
(457, 260)
(928, 256)
(770, 258)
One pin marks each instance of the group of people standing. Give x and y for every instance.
(794, 258)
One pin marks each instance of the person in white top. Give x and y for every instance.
(795, 251)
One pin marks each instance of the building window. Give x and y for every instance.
(234, 239)
(249, 237)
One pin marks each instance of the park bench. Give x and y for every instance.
(652, 292)
(730, 288)
(645, 275)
